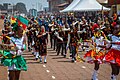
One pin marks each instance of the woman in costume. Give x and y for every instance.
(42, 36)
(96, 54)
(113, 55)
(14, 59)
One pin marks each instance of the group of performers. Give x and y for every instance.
(70, 33)
(37, 40)
(104, 37)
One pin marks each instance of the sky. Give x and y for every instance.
(37, 4)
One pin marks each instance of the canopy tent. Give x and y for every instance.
(63, 4)
(86, 5)
(103, 1)
(89, 5)
(73, 4)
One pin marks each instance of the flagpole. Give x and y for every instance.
(102, 13)
(12, 9)
(115, 2)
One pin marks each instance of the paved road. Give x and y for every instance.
(60, 68)
(3, 70)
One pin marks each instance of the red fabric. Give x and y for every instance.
(113, 55)
(22, 25)
(115, 17)
(13, 18)
(2, 16)
(95, 26)
(114, 24)
(92, 53)
(42, 30)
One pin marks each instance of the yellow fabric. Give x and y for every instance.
(8, 37)
(119, 33)
(12, 21)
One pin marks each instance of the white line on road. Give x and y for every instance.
(83, 67)
(44, 66)
(47, 71)
(53, 77)
(8, 74)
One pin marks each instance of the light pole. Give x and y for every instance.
(115, 3)
(0, 11)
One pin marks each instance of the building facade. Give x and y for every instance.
(115, 6)
(113, 2)
(53, 4)
(33, 12)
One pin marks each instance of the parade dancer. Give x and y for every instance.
(14, 59)
(59, 42)
(42, 36)
(29, 36)
(37, 43)
(51, 35)
(96, 55)
(73, 42)
(65, 39)
(113, 55)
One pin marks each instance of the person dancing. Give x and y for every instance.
(96, 54)
(113, 55)
(14, 59)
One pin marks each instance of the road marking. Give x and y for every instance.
(8, 75)
(47, 71)
(44, 66)
(53, 77)
(83, 67)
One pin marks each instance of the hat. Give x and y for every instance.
(95, 27)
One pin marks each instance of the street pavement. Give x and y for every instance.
(60, 68)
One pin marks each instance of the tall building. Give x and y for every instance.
(115, 6)
(113, 2)
(55, 5)
(5, 6)
(33, 12)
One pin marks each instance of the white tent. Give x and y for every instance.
(103, 1)
(88, 5)
(84, 5)
(70, 7)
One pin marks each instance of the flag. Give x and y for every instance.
(39, 21)
(13, 20)
(23, 22)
